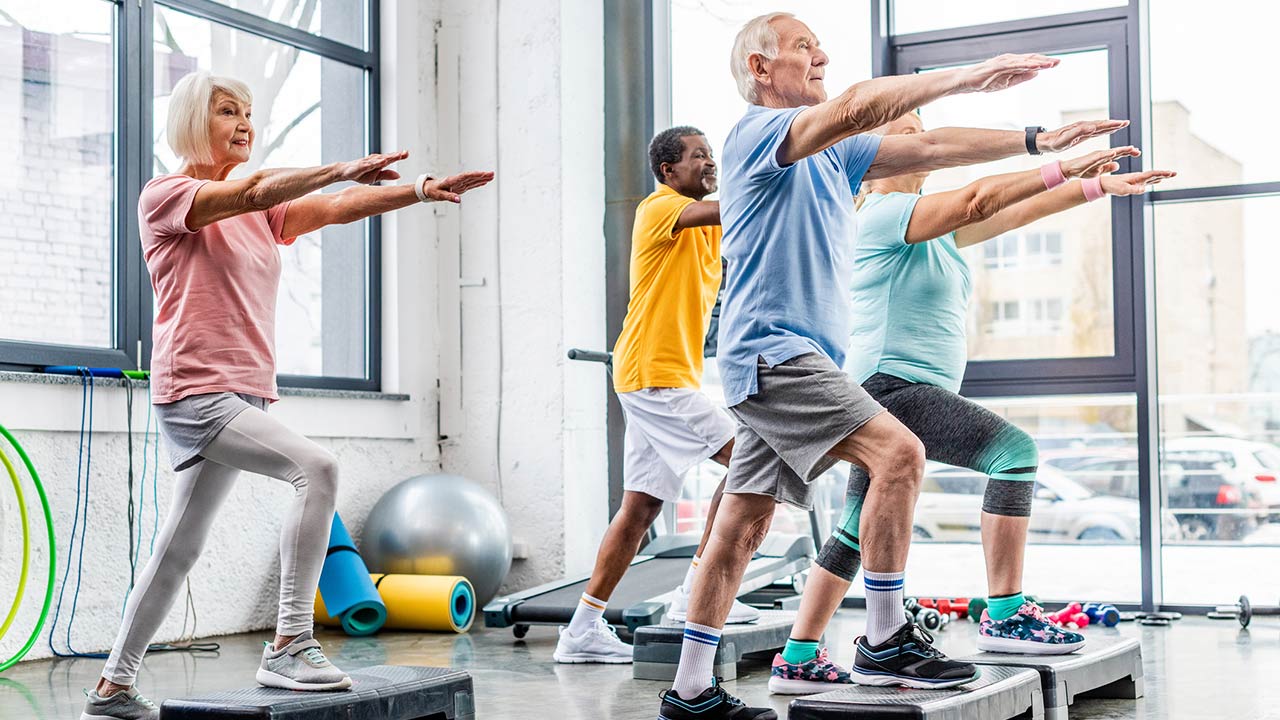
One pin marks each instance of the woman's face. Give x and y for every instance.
(230, 130)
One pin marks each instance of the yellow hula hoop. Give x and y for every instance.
(26, 544)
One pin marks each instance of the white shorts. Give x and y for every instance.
(669, 430)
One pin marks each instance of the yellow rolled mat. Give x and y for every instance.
(419, 602)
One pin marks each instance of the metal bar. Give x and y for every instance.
(1219, 192)
(258, 25)
(373, 126)
(327, 382)
(881, 34)
(1148, 411)
(31, 355)
(1047, 22)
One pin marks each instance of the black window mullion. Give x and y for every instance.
(258, 25)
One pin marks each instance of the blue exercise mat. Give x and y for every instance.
(346, 588)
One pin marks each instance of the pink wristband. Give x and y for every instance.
(1052, 175)
(1092, 188)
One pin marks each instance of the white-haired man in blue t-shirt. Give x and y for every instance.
(791, 167)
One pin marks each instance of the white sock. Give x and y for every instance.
(688, 576)
(589, 610)
(884, 605)
(697, 660)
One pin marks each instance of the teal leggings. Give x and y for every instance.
(954, 431)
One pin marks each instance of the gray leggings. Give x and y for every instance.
(257, 443)
(954, 431)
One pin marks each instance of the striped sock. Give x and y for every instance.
(884, 605)
(688, 576)
(589, 610)
(697, 658)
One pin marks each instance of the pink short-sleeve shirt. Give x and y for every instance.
(215, 294)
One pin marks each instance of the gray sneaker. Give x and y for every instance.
(124, 705)
(300, 665)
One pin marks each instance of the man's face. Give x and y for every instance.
(695, 175)
(795, 76)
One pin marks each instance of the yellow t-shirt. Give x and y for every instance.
(674, 281)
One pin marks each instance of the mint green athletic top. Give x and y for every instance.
(909, 301)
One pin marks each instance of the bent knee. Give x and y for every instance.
(318, 473)
(901, 462)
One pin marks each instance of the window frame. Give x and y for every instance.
(132, 301)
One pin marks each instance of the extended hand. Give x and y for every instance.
(1003, 72)
(1134, 183)
(371, 168)
(1071, 135)
(450, 189)
(1097, 163)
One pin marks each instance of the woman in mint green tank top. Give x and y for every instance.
(911, 291)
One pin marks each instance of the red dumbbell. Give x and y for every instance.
(959, 606)
(927, 603)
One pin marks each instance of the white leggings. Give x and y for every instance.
(256, 443)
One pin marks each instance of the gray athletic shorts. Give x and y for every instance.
(190, 424)
(802, 409)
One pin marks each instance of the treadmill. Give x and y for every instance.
(641, 597)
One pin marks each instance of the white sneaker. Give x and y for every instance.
(599, 644)
(679, 609)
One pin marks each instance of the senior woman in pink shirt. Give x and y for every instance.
(211, 246)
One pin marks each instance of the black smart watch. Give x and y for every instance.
(1031, 139)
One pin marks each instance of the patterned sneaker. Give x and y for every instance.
(599, 644)
(300, 665)
(124, 705)
(1026, 632)
(738, 613)
(713, 704)
(815, 676)
(910, 660)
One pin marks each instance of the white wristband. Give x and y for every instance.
(417, 186)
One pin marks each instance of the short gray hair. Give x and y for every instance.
(189, 107)
(757, 37)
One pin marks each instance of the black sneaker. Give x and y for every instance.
(909, 659)
(713, 704)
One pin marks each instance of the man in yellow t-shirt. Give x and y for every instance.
(671, 425)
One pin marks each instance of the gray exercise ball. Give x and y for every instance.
(440, 525)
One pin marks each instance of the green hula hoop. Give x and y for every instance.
(26, 544)
(53, 552)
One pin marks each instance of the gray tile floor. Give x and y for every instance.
(1196, 668)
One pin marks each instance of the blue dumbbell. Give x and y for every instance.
(1102, 614)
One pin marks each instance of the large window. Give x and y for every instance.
(57, 172)
(78, 155)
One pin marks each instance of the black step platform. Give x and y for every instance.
(657, 647)
(1001, 693)
(383, 692)
(1109, 666)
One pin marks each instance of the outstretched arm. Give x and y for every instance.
(221, 199)
(872, 103)
(1055, 201)
(356, 203)
(953, 147)
(941, 213)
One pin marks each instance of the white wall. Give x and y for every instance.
(521, 92)
(480, 302)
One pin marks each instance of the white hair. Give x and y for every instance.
(757, 37)
(189, 108)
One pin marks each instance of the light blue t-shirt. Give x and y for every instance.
(788, 240)
(909, 301)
